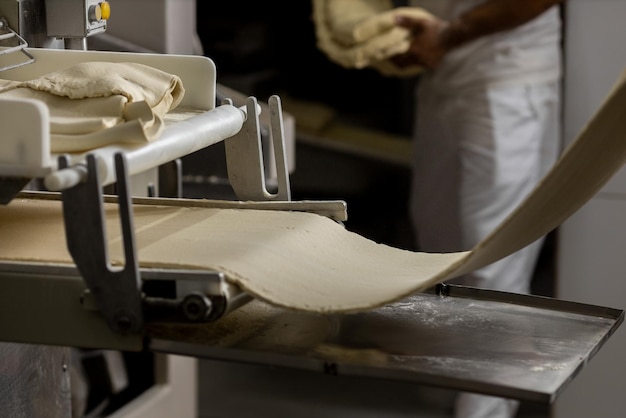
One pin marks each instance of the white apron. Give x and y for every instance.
(487, 130)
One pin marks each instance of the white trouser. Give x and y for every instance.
(477, 155)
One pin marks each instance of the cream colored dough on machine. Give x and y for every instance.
(94, 104)
(308, 262)
(87, 264)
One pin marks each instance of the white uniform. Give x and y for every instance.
(487, 130)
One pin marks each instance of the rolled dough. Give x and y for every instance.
(307, 262)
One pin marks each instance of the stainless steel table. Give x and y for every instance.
(501, 344)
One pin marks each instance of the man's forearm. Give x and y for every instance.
(491, 17)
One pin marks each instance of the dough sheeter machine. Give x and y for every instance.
(509, 345)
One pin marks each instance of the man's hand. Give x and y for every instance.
(433, 38)
(427, 45)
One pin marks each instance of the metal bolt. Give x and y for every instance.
(196, 307)
(123, 323)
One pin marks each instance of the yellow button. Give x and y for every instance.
(105, 10)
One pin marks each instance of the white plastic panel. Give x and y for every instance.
(24, 144)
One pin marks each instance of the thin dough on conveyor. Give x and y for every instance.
(308, 262)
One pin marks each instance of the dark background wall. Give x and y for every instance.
(263, 48)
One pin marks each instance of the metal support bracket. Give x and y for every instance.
(244, 155)
(116, 290)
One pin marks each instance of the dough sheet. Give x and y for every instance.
(308, 262)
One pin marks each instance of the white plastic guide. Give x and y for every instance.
(25, 144)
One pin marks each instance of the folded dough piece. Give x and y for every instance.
(362, 33)
(137, 82)
(98, 103)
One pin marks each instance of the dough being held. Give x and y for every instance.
(383, 22)
(362, 33)
(343, 16)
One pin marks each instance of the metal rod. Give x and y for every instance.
(178, 140)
